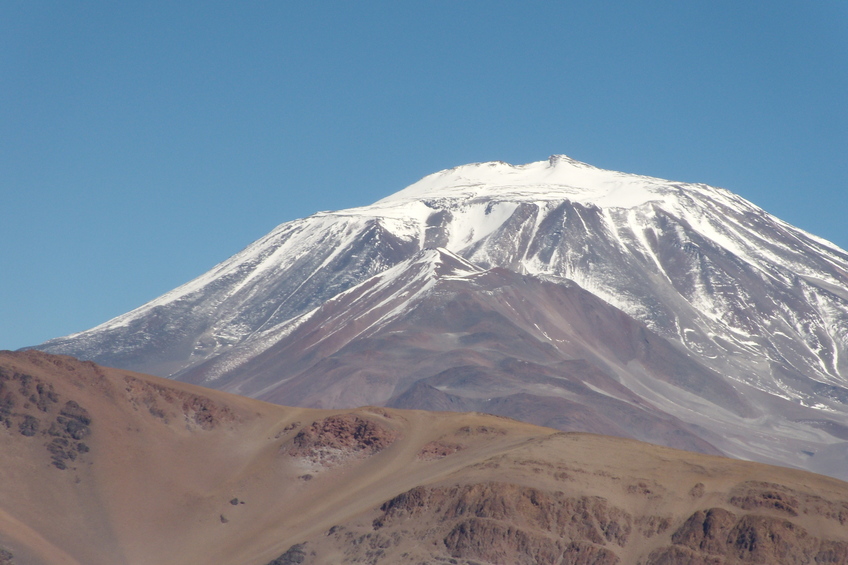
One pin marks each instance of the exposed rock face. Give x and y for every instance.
(171, 404)
(503, 523)
(339, 438)
(755, 495)
(706, 531)
(437, 450)
(718, 536)
(590, 519)
(493, 541)
(506, 523)
(296, 554)
(30, 405)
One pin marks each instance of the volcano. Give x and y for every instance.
(553, 292)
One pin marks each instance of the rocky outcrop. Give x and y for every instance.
(590, 519)
(340, 438)
(717, 536)
(507, 523)
(503, 523)
(497, 541)
(171, 404)
(30, 405)
(758, 495)
(438, 450)
(293, 556)
(705, 531)
(754, 495)
(577, 553)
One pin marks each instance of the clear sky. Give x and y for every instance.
(143, 142)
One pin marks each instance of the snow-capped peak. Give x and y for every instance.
(558, 178)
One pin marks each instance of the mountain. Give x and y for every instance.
(556, 292)
(105, 466)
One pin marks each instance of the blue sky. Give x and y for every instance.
(142, 143)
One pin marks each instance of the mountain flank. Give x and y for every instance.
(153, 471)
(555, 292)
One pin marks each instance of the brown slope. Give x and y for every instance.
(174, 474)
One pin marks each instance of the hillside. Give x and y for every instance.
(106, 466)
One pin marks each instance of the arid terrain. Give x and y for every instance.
(106, 466)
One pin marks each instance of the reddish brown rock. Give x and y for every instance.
(172, 404)
(340, 437)
(706, 531)
(754, 495)
(677, 555)
(507, 523)
(717, 536)
(588, 554)
(438, 450)
(497, 542)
